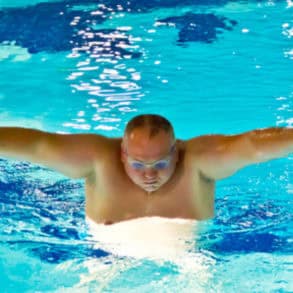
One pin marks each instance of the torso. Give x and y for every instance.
(111, 196)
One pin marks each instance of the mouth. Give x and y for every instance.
(151, 186)
(150, 182)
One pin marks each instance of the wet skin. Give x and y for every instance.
(116, 191)
(119, 192)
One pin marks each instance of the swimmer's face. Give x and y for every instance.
(149, 162)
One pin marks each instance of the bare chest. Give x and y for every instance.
(116, 198)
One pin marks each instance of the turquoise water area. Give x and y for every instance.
(87, 66)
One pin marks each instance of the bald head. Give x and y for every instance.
(154, 124)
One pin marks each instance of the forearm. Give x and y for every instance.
(271, 143)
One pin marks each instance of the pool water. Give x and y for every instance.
(87, 66)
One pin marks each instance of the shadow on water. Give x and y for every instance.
(58, 253)
(54, 211)
(64, 26)
(243, 243)
(257, 228)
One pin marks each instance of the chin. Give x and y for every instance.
(150, 188)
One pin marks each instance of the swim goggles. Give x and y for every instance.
(157, 165)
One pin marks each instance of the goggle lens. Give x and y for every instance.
(163, 164)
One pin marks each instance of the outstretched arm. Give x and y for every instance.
(73, 155)
(219, 156)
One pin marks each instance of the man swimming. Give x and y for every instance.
(147, 172)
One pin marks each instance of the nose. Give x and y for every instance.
(150, 173)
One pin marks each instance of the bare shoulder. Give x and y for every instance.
(75, 150)
(200, 145)
(109, 145)
(214, 155)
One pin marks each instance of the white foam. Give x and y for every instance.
(149, 237)
(156, 239)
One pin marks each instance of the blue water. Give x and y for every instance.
(83, 66)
